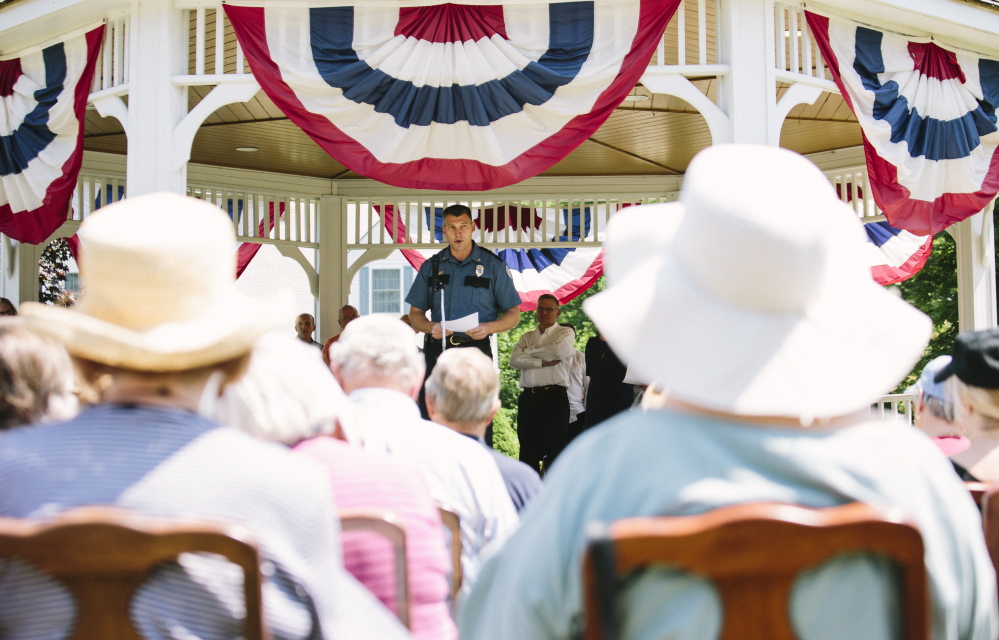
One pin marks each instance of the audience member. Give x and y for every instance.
(607, 394)
(377, 364)
(463, 394)
(575, 366)
(161, 315)
(36, 378)
(543, 408)
(305, 326)
(972, 379)
(288, 396)
(934, 410)
(753, 305)
(7, 308)
(346, 315)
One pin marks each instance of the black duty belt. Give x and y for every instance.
(458, 339)
(544, 389)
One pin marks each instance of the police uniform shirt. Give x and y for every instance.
(479, 284)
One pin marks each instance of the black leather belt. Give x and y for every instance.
(546, 388)
(457, 339)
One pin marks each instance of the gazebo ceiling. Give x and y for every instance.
(655, 136)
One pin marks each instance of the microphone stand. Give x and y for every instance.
(437, 285)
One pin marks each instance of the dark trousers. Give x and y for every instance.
(542, 424)
(431, 351)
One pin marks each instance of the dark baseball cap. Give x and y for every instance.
(975, 359)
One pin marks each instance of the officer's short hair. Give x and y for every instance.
(548, 296)
(378, 346)
(464, 387)
(456, 210)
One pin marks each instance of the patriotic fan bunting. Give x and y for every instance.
(43, 99)
(565, 273)
(928, 116)
(895, 255)
(450, 96)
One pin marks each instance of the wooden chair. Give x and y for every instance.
(389, 526)
(453, 524)
(103, 554)
(735, 548)
(984, 494)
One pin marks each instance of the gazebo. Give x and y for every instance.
(173, 104)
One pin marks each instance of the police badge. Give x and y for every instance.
(479, 270)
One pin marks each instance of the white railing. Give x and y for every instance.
(854, 188)
(797, 52)
(212, 46)
(112, 62)
(533, 221)
(898, 406)
(691, 37)
(265, 218)
(92, 192)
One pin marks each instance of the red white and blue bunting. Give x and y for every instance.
(43, 100)
(563, 272)
(895, 255)
(450, 96)
(928, 115)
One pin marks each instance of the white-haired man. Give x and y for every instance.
(380, 368)
(463, 394)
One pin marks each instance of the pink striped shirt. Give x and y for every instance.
(363, 479)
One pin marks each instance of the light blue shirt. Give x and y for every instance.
(669, 463)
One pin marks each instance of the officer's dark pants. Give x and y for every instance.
(542, 424)
(432, 350)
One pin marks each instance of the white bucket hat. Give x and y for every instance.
(159, 289)
(751, 295)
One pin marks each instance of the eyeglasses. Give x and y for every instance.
(547, 310)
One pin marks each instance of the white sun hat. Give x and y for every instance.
(158, 273)
(751, 295)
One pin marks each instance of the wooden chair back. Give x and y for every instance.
(389, 526)
(103, 554)
(985, 495)
(453, 524)
(735, 548)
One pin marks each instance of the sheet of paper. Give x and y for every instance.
(461, 325)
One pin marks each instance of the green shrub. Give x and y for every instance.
(504, 434)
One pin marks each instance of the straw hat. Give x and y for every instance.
(159, 289)
(751, 295)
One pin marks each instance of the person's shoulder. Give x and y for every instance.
(524, 473)
(486, 255)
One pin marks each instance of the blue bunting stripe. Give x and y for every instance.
(895, 254)
(332, 32)
(33, 135)
(508, 96)
(932, 165)
(40, 157)
(925, 136)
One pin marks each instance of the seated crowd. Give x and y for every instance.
(747, 305)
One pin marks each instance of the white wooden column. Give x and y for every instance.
(747, 94)
(334, 287)
(20, 270)
(155, 106)
(976, 271)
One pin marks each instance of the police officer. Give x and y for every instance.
(473, 279)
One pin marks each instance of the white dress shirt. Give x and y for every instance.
(534, 347)
(575, 366)
(461, 474)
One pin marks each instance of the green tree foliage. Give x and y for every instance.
(52, 269)
(934, 291)
(505, 428)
